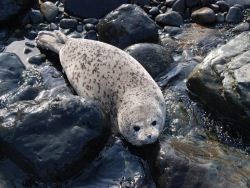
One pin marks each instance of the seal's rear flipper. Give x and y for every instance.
(53, 41)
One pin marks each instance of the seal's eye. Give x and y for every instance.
(153, 123)
(136, 128)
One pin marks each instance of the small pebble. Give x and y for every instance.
(89, 27)
(93, 21)
(215, 8)
(68, 23)
(36, 16)
(223, 6)
(29, 44)
(91, 35)
(154, 11)
(37, 59)
(79, 28)
(53, 27)
(27, 50)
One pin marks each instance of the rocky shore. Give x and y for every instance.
(196, 50)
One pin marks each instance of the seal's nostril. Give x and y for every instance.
(149, 136)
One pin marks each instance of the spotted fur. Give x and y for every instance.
(115, 80)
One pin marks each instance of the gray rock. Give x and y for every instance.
(89, 27)
(234, 15)
(36, 16)
(204, 16)
(153, 57)
(222, 80)
(91, 8)
(172, 31)
(244, 3)
(215, 8)
(10, 8)
(93, 21)
(170, 18)
(241, 27)
(220, 17)
(79, 28)
(37, 59)
(67, 23)
(49, 10)
(121, 29)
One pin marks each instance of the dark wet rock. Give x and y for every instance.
(153, 57)
(29, 44)
(179, 6)
(215, 8)
(239, 6)
(10, 8)
(89, 27)
(91, 8)
(204, 16)
(79, 28)
(234, 15)
(187, 163)
(68, 23)
(192, 3)
(93, 21)
(37, 59)
(3, 33)
(170, 18)
(244, 3)
(224, 6)
(92, 35)
(241, 27)
(172, 31)
(115, 167)
(222, 80)
(27, 50)
(11, 70)
(121, 29)
(52, 139)
(154, 11)
(49, 10)
(141, 2)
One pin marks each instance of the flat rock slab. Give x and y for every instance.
(222, 80)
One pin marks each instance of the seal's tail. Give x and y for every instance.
(53, 41)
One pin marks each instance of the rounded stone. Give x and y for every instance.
(127, 25)
(234, 15)
(241, 27)
(204, 15)
(91, 8)
(170, 18)
(79, 28)
(153, 57)
(154, 11)
(179, 6)
(37, 59)
(224, 6)
(89, 27)
(91, 35)
(93, 21)
(49, 10)
(68, 23)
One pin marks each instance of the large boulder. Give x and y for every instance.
(153, 57)
(91, 8)
(121, 29)
(10, 8)
(222, 80)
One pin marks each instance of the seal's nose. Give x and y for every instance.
(149, 136)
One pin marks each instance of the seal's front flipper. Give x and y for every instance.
(53, 41)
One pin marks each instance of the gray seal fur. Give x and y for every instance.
(115, 80)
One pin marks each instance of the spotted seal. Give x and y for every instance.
(115, 80)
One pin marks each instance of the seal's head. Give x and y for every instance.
(141, 124)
